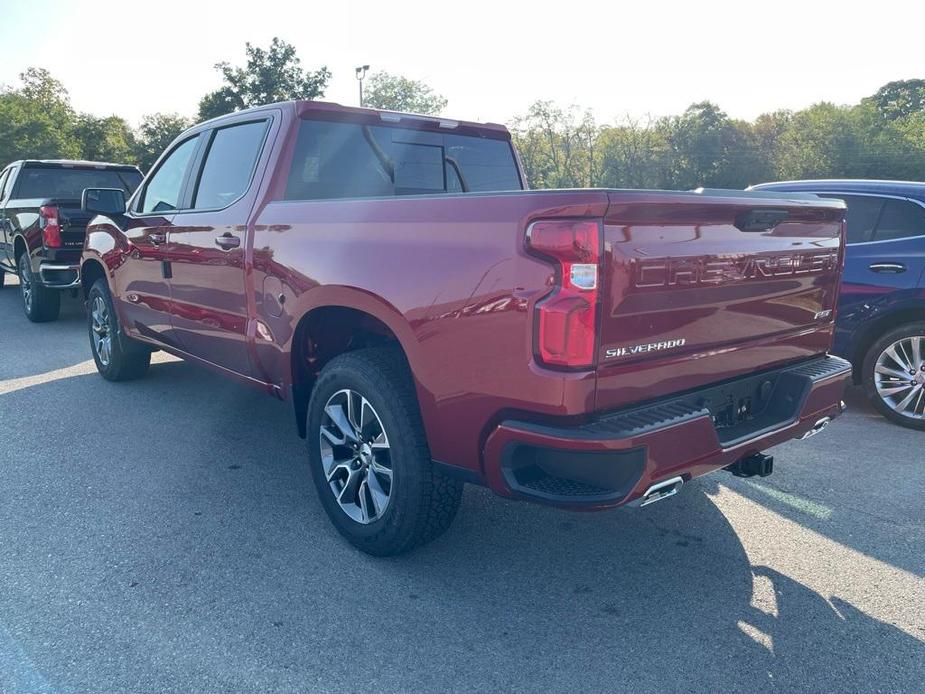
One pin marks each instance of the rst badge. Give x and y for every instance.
(615, 352)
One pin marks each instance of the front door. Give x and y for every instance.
(144, 293)
(207, 249)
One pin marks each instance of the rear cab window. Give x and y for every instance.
(68, 183)
(348, 160)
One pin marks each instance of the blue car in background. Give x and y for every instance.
(881, 309)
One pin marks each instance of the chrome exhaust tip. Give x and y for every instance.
(817, 427)
(660, 490)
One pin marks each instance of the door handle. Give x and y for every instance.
(157, 239)
(227, 241)
(890, 268)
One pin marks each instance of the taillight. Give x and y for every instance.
(51, 226)
(566, 320)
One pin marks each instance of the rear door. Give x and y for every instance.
(885, 246)
(207, 246)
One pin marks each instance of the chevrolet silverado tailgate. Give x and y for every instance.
(706, 286)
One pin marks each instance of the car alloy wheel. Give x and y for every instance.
(25, 282)
(101, 332)
(899, 376)
(355, 456)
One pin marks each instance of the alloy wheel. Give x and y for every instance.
(101, 333)
(899, 376)
(356, 457)
(25, 283)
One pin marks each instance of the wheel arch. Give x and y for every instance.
(876, 328)
(90, 271)
(326, 330)
(19, 247)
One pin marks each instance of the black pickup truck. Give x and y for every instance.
(42, 227)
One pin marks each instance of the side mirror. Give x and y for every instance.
(107, 201)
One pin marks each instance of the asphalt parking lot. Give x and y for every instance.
(163, 536)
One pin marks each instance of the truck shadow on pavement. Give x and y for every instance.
(176, 541)
(858, 485)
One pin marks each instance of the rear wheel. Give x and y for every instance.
(117, 357)
(369, 457)
(894, 375)
(39, 303)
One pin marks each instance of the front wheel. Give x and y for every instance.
(894, 375)
(369, 457)
(117, 357)
(39, 303)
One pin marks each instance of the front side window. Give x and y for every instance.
(229, 164)
(863, 213)
(900, 219)
(162, 193)
(347, 160)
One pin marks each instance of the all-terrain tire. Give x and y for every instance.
(39, 303)
(422, 502)
(117, 357)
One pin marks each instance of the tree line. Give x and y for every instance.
(883, 136)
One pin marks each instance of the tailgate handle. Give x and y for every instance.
(760, 220)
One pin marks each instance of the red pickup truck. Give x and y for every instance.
(433, 322)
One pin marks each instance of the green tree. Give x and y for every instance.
(632, 154)
(557, 146)
(900, 99)
(819, 142)
(396, 93)
(36, 120)
(270, 75)
(105, 139)
(156, 132)
(706, 148)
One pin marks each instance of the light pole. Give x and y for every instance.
(361, 73)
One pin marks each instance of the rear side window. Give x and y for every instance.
(229, 164)
(863, 213)
(346, 160)
(162, 193)
(900, 219)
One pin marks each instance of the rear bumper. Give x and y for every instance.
(59, 275)
(612, 460)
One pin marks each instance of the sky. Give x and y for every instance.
(491, 60)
